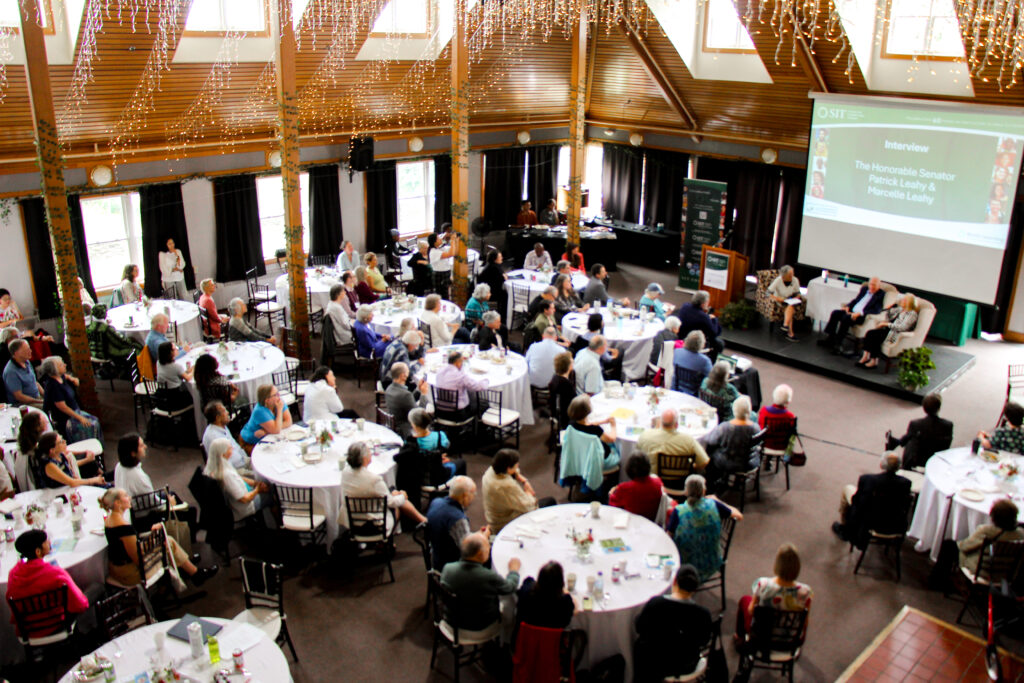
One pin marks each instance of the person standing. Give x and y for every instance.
(172, 271)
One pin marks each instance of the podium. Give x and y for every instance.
(723, 274)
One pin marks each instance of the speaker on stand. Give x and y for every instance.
(360, 155)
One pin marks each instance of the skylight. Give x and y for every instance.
(403, 17)
(723, 30)
(10, 13)
(922, 28)
(219, 16)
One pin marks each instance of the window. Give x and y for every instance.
(564, 165)
(10, 14)
(270, 196)
(723, 30)
(219, 16)
(922, 28)
(592, 179)
(113, 237)
(415, 198)
(403, 17)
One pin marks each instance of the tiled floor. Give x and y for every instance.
(917, 647)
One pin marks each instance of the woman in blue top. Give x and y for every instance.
(269, 416)
(652, 301)
(477, 305)
(428, 441)
(696, 527)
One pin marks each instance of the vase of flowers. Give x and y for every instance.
(35, 516)
(324, 439)
(582, 542)
(1008, 470)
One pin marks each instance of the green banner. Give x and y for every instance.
(703, 217)
(716, 271)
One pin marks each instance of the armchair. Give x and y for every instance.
(915, 337)
(892, 295)
(772, 310)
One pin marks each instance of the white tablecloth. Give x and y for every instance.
(387, 319)
(537, 282)
(947, 474)
(318, 280)
(825, 297)
(696, 418)
(279, 461)
(609, 626)
(511, 378)
(472, 259)
(633, 338)
(183, 313)
(133, 652)
(256, 364)
(85, 560)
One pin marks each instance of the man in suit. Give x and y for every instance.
(878, 501)
(696, 315)
(867, 302)
(925, 436)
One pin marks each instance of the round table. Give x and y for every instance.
(387, 319)
(134, 652)
(939, 516)
(510, 378)
(631, 337)
(696, 418)
(256, 364)
(542, 535)
(319, 282)
(133, 319)
(278, 460)
(85, 557)
(537, 281)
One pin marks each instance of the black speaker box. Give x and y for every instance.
(360, 154)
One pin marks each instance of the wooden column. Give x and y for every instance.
(577, 126)
(51, 168)
(288, 134)
(460, 153)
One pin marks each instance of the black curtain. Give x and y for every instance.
(621, 182)
(663, 197)
(239, 240)
(40, 252)
(163, 218)
(324, 211)
(442, 190)
(503, 185)
(787, 244)
(542, 176)
(381, 204)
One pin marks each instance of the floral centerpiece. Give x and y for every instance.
(1008, 469)
(324, 438)
(581, 541)
(35, 516)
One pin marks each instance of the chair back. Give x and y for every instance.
(779, 429)
(422, 539)
(1000, 561)
(124, 611)
(885, 514)
(520, 296)
(686, 380)
(424, 329)
(721, 404)
(215, 514)
(144, 364)
(325, 260)
(776, 631)
(42, 618)
(543, 655)
(385, 418)
(725, 540)
(673, 471)
(152, 548)
(367, 518)
(261, 584)
(295, 503)
(446, 604)
(150, 508)
(445, 400)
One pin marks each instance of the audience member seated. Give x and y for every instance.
(729, 444)
(579, 422)
(321, 401)
(20, 377)
(666, 438)
(477, 305)
(351, 300)
(239, 330)
(781, 591)
(867, 302)
(540, 304)
(589, 373)
(561, 388)
(477, 587)
(899, 318)
(34, 575)
(672, 630)
(669, 333)
(106, 343)
(206, 302)
(441, 333)
(364, 290)
(651, 300)
(409, 325)
(717, 384)
(782, 395)
(447, 523)
(611, 359)
(245, 495)
(123, 544)
(172, 375)
(373, 276)
(965, 553)
(538, 259)
(453, 378)
(357, 481)
(642, 494)
(549, 214)
(399, 401)
(158, 326)
(339, 315)
(544, 601)
(566, 300)
(696, 527)
(697, 315)
(269, 416)
(422, 274)
(212, 385)
(507, 493)
(879, 502)
(428, 440)
(369, 344)
(1009, 437)
(402, 350)
(574, 257)
(492, 334)
(60, 403)
(56, 467)
(925, 436)
(217, 421)
(785, 286)
(596, 292)
(348, 257)
(527, 216)
(129, 289)
(689, 357)
(128, 473)
(540, 358)
(33, 425)
(562, 268)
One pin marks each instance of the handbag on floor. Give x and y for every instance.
(795, 454)
(172, 565)
(180, 532)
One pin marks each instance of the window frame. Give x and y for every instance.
(216, 33)
(429, 199)
(884, 47)
(431, 23)
(722, 50)
(49, 29)
(134, 240)
(307, 235)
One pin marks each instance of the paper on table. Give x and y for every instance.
(621, 520)
(623, 413)
(8, 506)
(528, 530)
(239, 636)
(296, 461)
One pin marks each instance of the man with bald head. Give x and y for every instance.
(867, 302)
(447, 523)
(879, 502)
(667, 439)
(478, 587)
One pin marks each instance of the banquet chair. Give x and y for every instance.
(164, 411)
(215, 516)
(424, 329)
(142, 392)
(256, 295)
(298, 368)
(447, 614)
(208, 336)
(774, 642)
(287, 387)
(537, 649)
(320, 261)
(500, 422)
(722, 405)
(384, 418)
(169, 294)
(717, 580)
(737, 481)
(686, 380)
(888, 531)
(435, 478)
(520, 303)
(123, 611)
(330, 349)
(446, 416)
(368, 523)
(150, 508)
(263, 590)
(268, 308)
(998, 562)
(297, 514)
(359, 362)
(422, 539)
(673, 471)
(43, 623)
(316, 312)
(780, 429)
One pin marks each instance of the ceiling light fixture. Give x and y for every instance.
(636, 139)
(416, 144)
(274, 159)
(101, 175)
(523, 137)
(769, 155)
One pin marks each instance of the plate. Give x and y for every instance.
(973, 495)
(295, 434)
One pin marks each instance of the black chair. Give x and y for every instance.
(776, 637)
(368, 523)
(43, 613)
(196, 293)
(447, 615)
(256, 294)
(779, 430)
(142, 388)
(434, 482)
(673, 471)
(359, 362)
(287, 386)
(321, 261)
(208, 336)
(501, 423)
(215, 516)
(330, 349)
(170, 293)
(316, 313)
(297, 514)
(422, 539)
(447, 416)
(686, 380)
(263, 590)
(722, 405)
(428, 337)
(999, 562)
(737, 481)
(717, 580)
(167, 410)
(123, 611)
(521, 295)
(150, 508)
(887, 530)
(385, 418)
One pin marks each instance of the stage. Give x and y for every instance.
(807, 355)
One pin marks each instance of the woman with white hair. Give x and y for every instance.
(696, 527)
(369, 343)
(477, 305)
(364, 289)
(669, 333)
(441, 333)
(422, 272)
(357, 481)
(652, 301)
(786, 286)
(245, 496)
(717, 384)
(729, 444)
(60, 403)
(238, 329)
(690, 358)
(900, 317)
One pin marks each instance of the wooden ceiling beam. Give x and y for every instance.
(809, 65)
(591, 60)
(657, 74)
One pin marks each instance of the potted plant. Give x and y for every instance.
(739, 315)
(914, 365)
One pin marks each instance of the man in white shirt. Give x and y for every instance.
(589, 377)
(217, 419)
(339, 316)
(128, 473)
(538, 259)
(322, 401)
(540, 358)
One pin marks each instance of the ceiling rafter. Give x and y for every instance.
(809, 65)
(657, 74)
(591, 59)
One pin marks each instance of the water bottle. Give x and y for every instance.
(195, 639)
(846, 280)
(214, 647)
(599, 585)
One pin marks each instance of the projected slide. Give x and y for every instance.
(910, 190)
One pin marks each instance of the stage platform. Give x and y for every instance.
(807, 355)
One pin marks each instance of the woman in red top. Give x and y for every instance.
(779, 410)
(207, 303)
(641, 495)
(575, 258)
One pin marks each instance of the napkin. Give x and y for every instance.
(623, 414)
(8, 506)
(528, 531)
(296, 461)
(283, 467)
(621, 520)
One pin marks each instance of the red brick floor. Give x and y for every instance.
(917, 647)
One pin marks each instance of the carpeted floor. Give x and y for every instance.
(352, 625)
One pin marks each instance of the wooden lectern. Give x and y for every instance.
(723, 274)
